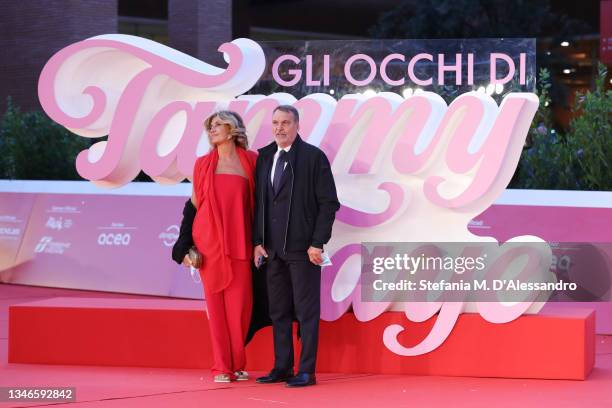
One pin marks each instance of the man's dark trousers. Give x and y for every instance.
(295, 285)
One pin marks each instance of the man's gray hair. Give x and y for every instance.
(288, 109)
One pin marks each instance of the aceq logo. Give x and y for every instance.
(169, 236)
(48, 246)
(114, 239)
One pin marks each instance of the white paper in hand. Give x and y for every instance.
(326, 260)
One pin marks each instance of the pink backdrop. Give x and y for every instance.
(122, 242)
(112, 243)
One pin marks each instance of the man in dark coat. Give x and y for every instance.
(295, 206)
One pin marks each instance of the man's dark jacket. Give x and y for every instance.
(312, 195)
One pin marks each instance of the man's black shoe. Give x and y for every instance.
(275, 376)
(302, 380)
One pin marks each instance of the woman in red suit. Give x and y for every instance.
(223, 195)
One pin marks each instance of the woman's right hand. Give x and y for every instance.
(186, 260)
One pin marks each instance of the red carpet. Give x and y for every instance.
(174, 333)
(157, 387)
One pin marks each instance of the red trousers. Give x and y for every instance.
(229, 315)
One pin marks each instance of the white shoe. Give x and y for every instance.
(222, 378)
(241, 376)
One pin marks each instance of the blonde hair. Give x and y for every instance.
(234, 121)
